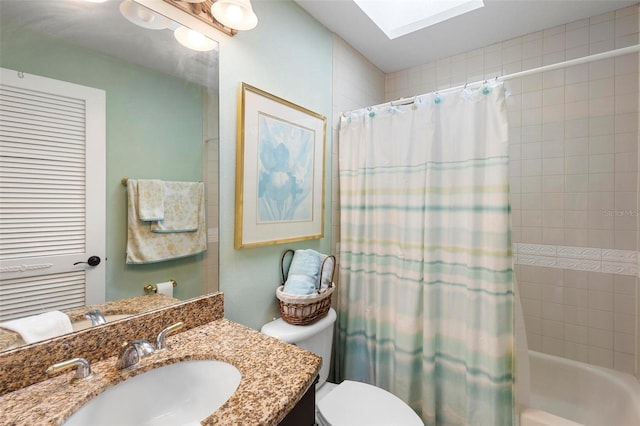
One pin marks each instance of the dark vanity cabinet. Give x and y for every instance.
(304, 413)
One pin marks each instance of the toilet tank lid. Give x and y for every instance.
(296, 333)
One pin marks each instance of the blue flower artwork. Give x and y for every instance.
(285, 171)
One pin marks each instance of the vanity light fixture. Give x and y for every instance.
(194, 40)
(236, 14)
(227, 16)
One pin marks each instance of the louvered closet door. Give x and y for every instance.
(52, 194)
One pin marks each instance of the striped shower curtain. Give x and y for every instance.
(426, 280)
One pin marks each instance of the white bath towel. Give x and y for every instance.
(182, 201)
(145, 246)
(151, 199)
(40, 327)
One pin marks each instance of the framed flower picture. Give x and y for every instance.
(279, 171)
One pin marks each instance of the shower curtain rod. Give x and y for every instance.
(551, 67)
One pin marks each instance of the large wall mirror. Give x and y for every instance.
(161, 116)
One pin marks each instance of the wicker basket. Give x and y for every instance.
(303, 310)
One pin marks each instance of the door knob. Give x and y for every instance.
(92, 261)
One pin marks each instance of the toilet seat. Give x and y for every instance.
(359, 404)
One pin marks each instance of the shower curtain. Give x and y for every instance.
(426, 275)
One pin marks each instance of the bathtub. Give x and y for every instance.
(569, 393)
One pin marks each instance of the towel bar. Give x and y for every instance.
(151, 288)
(124, 181)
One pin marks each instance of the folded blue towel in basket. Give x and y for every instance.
(303, 273)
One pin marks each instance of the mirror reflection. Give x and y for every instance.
(161, 122)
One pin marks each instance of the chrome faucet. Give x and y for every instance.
(96, 317)
(133, 352)
(83, 368)
(160, 340)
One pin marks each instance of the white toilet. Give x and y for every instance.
(349, 403)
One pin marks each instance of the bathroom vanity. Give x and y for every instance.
(276, 385)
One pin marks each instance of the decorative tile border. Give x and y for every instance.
(610, 261)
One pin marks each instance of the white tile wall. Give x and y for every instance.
(579, 314)
(573, 177)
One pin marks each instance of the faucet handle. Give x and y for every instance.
(160, 340)
(83, 368)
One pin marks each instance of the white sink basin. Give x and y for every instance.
(178, 394)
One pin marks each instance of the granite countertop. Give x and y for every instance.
(275, 375)
(132, 306)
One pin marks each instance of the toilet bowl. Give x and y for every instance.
(350, 403)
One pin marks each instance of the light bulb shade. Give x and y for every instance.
(236, 14)
(194, 40)
(142, 16)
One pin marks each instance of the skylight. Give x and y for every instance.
(399, 17)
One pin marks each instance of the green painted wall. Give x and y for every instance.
(154, 130)
(289, 54)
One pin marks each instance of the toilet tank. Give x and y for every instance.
(316, 338)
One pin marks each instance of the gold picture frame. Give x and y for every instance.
(280, 161)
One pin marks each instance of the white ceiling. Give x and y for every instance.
(101, 26)
(499, 20)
